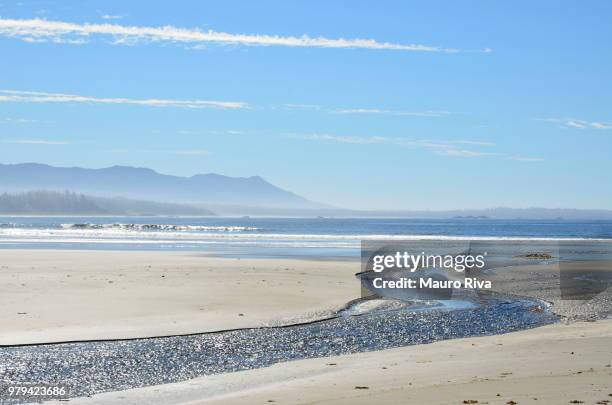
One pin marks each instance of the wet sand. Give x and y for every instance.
(552, 365)
(543, 281)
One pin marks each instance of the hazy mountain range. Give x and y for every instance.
(32, 188)
(68, 203)
(146, 184)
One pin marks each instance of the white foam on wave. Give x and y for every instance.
(119, 232)
(159, 227)
(180, 243)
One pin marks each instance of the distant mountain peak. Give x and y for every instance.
(128, 169)
(147, 184)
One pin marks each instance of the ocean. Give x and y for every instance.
(273, 237)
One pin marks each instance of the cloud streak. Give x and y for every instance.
(191, 152)
(35, 30)
(111, 17)
(37, 142)
(391, 112)
(445, 148)
(578, 124)
(16, 120)
(366, 111)
(41, 97)
(601, 125)
(525, 159)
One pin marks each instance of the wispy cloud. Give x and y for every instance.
(601, 125)
(454, 148)
(451, 151)
(192, 152)
(347, 139)
(314, 107)
(59, 31)
(391, 112)
(366, 111)
(478, 143)
(8, 120)
(210, 132)
(111, 17)
(447, 148)
(41, 97)
(37, 142)
(525, 158)
(577, 123)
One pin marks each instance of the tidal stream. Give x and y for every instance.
(88, 368)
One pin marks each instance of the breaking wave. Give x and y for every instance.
(160, 227)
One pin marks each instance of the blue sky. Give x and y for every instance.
(386, 104)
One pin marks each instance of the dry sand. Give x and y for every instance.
(50, 295)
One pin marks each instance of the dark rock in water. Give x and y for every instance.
(541, 255)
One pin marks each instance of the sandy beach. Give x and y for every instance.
(66, 295)
(51, 295)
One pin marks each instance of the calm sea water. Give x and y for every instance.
(323, 237)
